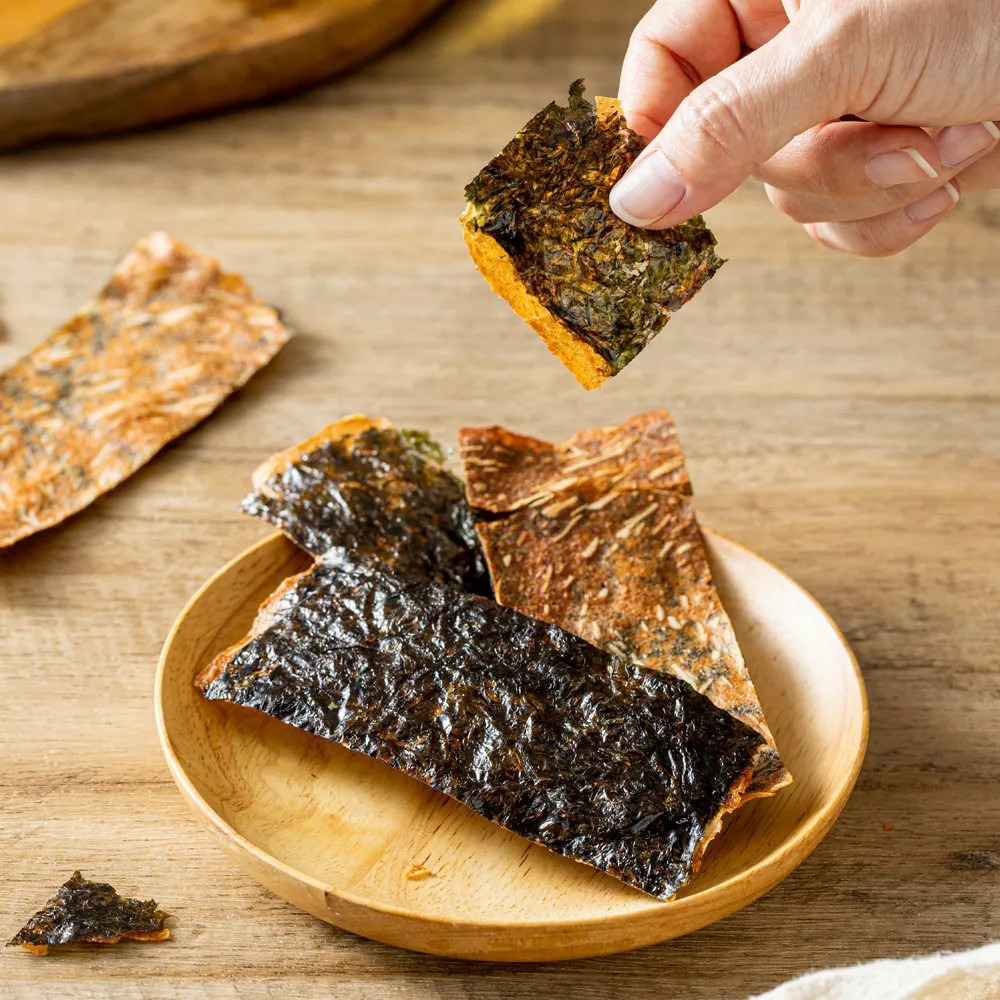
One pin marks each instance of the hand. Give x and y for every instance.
(924, 75)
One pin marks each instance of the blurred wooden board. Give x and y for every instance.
(80, 67)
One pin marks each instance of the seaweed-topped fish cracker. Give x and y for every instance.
(541, 231)
(626, 769)
(362, 486)
(91, 912)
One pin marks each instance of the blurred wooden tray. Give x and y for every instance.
(80, 67)
(334, 832)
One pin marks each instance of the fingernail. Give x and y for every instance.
(934, 204)
(958, 143)
(647, 191)
(899, 166)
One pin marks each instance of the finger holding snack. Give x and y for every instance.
(725, 91)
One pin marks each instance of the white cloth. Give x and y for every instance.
(968, 975)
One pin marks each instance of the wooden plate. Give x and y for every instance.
(335, 833)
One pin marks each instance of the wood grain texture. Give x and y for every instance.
(840, 416)
(335, 833)
(84, 67)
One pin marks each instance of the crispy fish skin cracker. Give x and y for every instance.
(625, 769)
(165, 342)
(506, 471)
(599, 536)
(540, 230)
(85, 911)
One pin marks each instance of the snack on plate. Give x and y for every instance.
(388, 647)
(541, 231)
(166, 341)
(598, 535)
(627, 769)
(92, 912)
(362, 486)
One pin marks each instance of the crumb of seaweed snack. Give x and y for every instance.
(540, 229)
(93, 912)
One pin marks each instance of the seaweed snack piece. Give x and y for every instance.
(362, 486)
(598, 535)
(541, 231)
(626, 769)
(165, 342)
(90, 911)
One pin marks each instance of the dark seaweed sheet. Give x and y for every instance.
(596, 758)
(544, 199)
(82, 909)
(383, 492)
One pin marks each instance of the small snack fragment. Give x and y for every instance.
(541, 231)
(166, 341)
(361, 486)
(93, 912)
(598, 535)
(623, 768)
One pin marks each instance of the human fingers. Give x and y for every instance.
(888, 234)
(851, 159)
(983, 174)
(678, 45)
(730, 124)
(672, 49)
(844, 171)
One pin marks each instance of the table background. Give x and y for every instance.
(840, 416)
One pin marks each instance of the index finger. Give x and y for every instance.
(679, 44)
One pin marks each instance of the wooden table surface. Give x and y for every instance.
(840, 416)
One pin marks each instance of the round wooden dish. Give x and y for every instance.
(338, 834)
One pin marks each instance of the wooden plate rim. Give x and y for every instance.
(809, 834)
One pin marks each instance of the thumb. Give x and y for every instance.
(733, 122)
